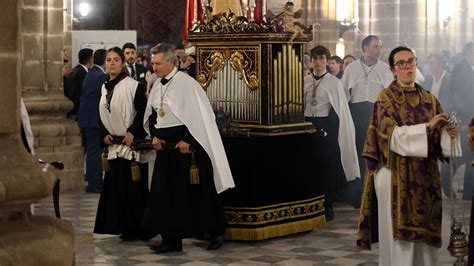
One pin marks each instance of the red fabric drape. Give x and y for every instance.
(258, 10)
(189, 18)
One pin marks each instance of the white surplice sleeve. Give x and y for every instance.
(410, 141)
(446, 145)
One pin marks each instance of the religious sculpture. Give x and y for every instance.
(288, 23)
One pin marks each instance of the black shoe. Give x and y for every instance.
(216, 242)
(165, 248)
(146, 235)
(129, 237)
(329, 214)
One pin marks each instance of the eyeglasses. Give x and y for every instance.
(403, 64)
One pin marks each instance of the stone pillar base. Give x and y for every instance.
(36, 240)
(57, 138)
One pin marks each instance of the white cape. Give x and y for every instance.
(346, 138)
(189, 103)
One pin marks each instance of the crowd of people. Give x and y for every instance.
(114, 106)
(385, 130)
(401, 119)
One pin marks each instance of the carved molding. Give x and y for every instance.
(242, 61)
(244, 67)
(229, 22)
(214, 63)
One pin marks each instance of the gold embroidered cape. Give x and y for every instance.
(416, 191)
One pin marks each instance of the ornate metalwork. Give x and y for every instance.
(458, 246)
(244, 67)
(229, 22)
(212, 65)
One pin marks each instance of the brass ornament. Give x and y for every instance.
(161, 112)
(148, 82)
(135, 169)
(229, 22)
(458, 245)
(211, 66)
(243, 66)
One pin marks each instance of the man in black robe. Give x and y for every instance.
(191, 167)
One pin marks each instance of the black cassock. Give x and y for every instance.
(122, 201)
(176, 208)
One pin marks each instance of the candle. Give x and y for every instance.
(264, 8)
(195, 17)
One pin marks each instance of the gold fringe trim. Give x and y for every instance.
(254, 234)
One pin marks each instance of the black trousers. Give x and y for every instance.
(176, 208)
(329, 155)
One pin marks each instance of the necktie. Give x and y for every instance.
(164, 81)
(132, 73)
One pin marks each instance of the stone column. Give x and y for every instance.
(46, 32)
(24, 239)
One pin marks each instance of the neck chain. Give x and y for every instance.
(371, 67)
(315, 86)
(161, 111)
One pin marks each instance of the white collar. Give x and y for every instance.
(87, 70)
(101, 68)
(172, 73)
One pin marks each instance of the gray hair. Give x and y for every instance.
(167, 50)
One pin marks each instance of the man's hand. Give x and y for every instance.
(128, 139)
(156, 143)
(437, 121)
(108, 140)
(188, 60)
(453, 131)
(183, 147)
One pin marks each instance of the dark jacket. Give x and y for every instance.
(90, 96)
(78, 73)
(462, 87)
(140, 73)
(444, 94)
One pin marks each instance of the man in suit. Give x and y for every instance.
(89, 121)
(135, 71)
(76, 78)
(462, 86)
(439, 82)
(439, 85)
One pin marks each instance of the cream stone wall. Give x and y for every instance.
(25, 239)
(46, 31)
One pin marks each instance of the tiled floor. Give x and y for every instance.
(331, 245)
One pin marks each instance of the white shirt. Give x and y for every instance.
(169, 119)
(83, 66)
(129, 69)
(319, 105)
(435, 87)
(363, 83)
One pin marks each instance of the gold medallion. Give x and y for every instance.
(161, 112)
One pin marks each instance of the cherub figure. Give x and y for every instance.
(288, 22)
